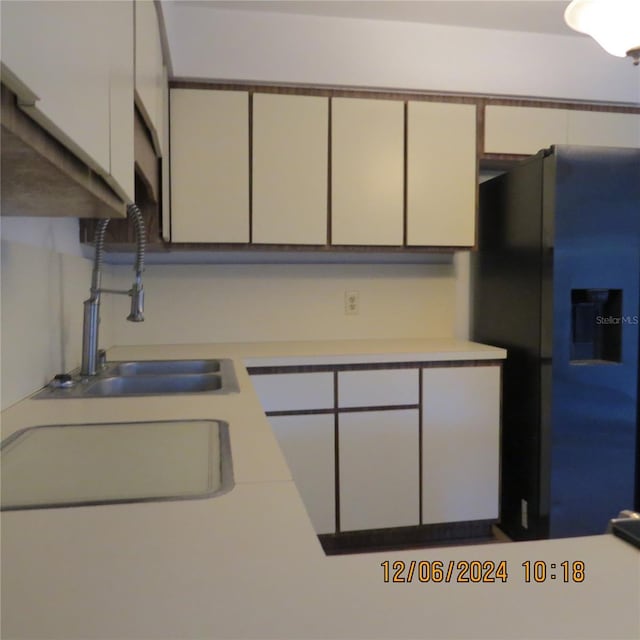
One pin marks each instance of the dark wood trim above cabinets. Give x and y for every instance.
(41, 177)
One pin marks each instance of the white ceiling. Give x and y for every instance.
(539, 16)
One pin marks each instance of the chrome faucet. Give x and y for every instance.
(91, 357)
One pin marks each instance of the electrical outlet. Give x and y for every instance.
(351, 303)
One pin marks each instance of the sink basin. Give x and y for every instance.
(149, 378)
(145, 385)
(96, 464)
(162, 367)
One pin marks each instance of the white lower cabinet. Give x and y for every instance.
(388, 472)
(379, 469)
(307, 442)
(460, 443)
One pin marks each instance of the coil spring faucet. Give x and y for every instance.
(91, 320)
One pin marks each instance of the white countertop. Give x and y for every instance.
(247, 564)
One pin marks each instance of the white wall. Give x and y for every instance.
(44, 281)
(251, 46)
(226, 303)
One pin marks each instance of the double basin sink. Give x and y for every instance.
(148, 378)
(69, 465)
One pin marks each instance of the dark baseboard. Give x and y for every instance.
(398, 538)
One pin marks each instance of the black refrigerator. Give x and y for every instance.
(556, 282)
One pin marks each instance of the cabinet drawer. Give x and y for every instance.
(377, 388)
(294, 391)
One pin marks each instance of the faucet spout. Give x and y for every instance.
(137, 302)
(91, 319)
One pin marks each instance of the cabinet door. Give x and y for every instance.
(307, 442)
(121, 161)
(68, 54)
(460, 443)
(523, 130)
(602, 129)
(165, 164)
(149, 73)
(290, 169)
(209, 166)
(378, 459)
(367, 172)
(441, 174)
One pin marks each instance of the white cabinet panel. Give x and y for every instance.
(378, 388)
(122, 161)
(523, 130)
(367, 172)
(149, 69)
(378, 458)
(290, 169)
(209, 166)
(441, 174)
(460, 443)
(603, 129)
(165, 163)
(294, 391)
(307, 442)
(79, 76)
(66, 67)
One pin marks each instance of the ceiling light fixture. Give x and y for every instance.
(613, 24)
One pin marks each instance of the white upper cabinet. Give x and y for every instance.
(526, 130)
(441, 174)
(149, 72)
(82, 78)
(290, 169)
(209, 141)
(523, 130)
(122, 160)
(600, 128)
(367, 172)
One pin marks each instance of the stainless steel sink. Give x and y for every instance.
(145, 385)
(147, 378)
(107, 463)
(162, 367)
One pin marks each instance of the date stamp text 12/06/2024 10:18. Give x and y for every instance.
(479, 572)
